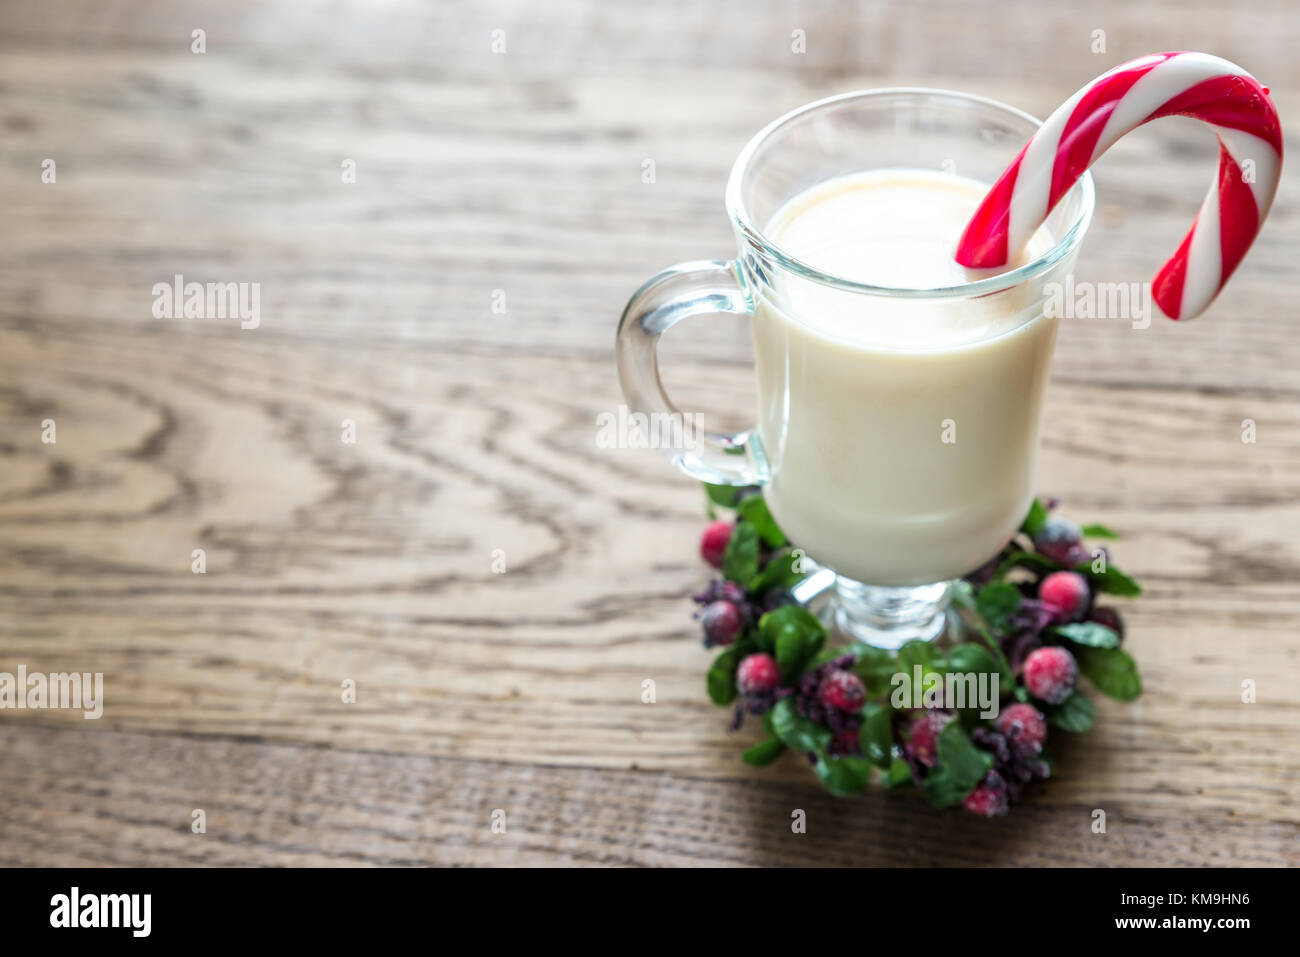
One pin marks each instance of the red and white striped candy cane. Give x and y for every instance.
(1206, 87)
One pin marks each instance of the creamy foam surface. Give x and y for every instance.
(895, 228)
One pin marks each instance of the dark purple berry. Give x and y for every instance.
(1016, 761)
(774, 598)
(843, 744)
(722, 622)
(1105, 615)
(719, 589)
(1061, 541)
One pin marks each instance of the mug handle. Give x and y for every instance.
(704, 287)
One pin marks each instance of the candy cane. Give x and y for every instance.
(1206, 87)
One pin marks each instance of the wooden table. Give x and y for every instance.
(486, 179)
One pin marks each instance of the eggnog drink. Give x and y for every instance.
(900, 430)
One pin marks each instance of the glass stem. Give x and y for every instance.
(888, 617)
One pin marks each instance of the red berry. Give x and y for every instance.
(923, 737)
(713, 543)
(757, 673)
(1061, 541)
(989, 798)
(722, 623)
(1066, 593)
(1050, 673)
(842, 689)
(1024, 725)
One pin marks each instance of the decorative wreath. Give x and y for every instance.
(1030, 625)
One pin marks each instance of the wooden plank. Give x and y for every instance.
(104, 798)
(372, 561)
(527, 182)
(476, 431)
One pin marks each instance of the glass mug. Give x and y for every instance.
(899, 469)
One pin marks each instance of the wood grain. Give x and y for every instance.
(105, 798)
(476, 431)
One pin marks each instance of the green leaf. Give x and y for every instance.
(721, 679)
(1030, 560)
(1112, 671)
(996, 602)
(913, 654)
(876, 736)
(965, 763)
(740, 560)
(961, 767)
(1008, 679)
(1075, 713)
(876, 667)
(1098, 531)
(1088, 633)
(795, 616)
(899, 774)
(844, 776)
(779, 572)
(789, 650)
(795, 730)
(1112, 580)
(793, 634)
(917, 652)
(763, 753)
(829, 653)
(970, 658)
(754, 510)
(940, 790)
(1035, 519)
(724, 495)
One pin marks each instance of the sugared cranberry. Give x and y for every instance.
(722, 622)
(1105, 615)
(1066, 593)
(1024, 726)
(757, 673)
(843, 690)
(1061, 541)
(725, 591)
(1050, 673)
(713, 543)
(922, 737)
(989, 798)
